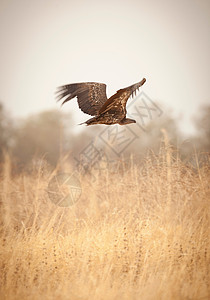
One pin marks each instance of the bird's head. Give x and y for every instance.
(127, 121)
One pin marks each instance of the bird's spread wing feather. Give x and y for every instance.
(90, 95)
(118, 101)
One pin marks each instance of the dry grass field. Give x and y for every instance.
(140, 231)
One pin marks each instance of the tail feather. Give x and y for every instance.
(83, 123)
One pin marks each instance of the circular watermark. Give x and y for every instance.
(64, 189)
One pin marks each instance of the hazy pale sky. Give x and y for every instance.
(45, 44)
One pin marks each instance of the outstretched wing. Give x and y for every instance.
(118, 101)
(90, 95)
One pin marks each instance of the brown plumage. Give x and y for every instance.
(92, 100)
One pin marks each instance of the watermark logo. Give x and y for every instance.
(143, 110)
(64, 189)
(91, 160)
(118, 138)
(89, 155)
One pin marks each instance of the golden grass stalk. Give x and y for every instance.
(137, 232)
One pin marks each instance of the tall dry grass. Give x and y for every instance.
(138, 232)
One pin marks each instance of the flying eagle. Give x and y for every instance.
(92, 100)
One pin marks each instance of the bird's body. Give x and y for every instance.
(92, 100)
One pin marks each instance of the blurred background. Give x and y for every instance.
(51, 43)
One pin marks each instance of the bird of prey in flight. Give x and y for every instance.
(92, 100)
